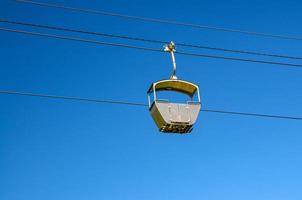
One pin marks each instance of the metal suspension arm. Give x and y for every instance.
(171, 48)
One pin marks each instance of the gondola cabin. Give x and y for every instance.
(172, 117)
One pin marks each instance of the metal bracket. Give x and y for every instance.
(172, 48)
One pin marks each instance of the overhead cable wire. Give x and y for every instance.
(238, 59)
(157, 20)
(79, 39)
(81, 99)
(144, 48)
(146, 40)
(251, 114)
(70, 98)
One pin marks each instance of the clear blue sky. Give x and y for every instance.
(55, 149)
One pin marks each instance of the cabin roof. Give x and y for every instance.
(182, 86)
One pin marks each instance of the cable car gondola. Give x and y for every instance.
(172, 117)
